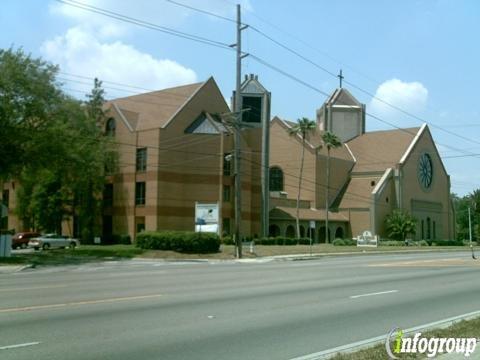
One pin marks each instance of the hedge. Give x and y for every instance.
(344, 242)
(278, 240)
(180, 241)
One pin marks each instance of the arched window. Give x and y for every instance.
(276, 179)
(339, 233)
(110, 127)
(290, 233)
(273, 230)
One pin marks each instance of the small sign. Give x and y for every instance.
(312, 224)
(97, 240)
(206, 217)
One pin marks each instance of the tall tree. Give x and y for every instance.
(303, 127)
(330, 141)
(29, 100)
(53, 144)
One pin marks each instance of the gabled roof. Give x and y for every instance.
(155, 109)
(378, 150)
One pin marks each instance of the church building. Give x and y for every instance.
(175, 156)
(371, 175)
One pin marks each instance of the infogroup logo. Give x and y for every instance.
(429, 346)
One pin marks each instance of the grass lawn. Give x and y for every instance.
(462, 329)
(95, 253)
(82, 254)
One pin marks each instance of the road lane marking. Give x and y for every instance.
(34, 288)
(428, 263)
(373, 294)
(79, 303)
(19, 345)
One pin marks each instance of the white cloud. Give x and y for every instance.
(408, 96)
(80, 52)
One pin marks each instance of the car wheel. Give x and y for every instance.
(73, 245)
(23, 246)
(46, 246)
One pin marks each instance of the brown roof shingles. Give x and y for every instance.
(156, 108)
(378, 150)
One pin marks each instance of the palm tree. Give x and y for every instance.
(302, 128)
(330, 141)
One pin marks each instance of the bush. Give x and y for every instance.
(180, 241)
(446, 243)
(422, 243)
(344, 242)
(227, 240)
(391, 243)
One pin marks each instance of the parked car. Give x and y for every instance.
(50, 241)
(21, 239)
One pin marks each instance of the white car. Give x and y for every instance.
(50, 241)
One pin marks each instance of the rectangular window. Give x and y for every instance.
(227, 164)
(226, 193)
(253, 107)
(6, 198)
(140, 193)
(108, 195)
(141, 159)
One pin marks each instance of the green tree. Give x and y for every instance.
(29, 100)
(303, 127)
(62, 152)
(399, 224)
(330, 141)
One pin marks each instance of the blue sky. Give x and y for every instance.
(422, 56)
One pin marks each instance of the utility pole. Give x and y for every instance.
(470, 227)
(238, 138)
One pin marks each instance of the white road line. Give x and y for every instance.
(373, 294)
(19, 345)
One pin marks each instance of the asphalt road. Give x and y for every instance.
(275, 310)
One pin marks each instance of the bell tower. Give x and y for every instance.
(342, 115)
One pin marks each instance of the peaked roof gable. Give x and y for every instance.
(342, 97)
(155, 109)
(378, 150)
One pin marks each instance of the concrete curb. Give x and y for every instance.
(360, 345)
(9, 269)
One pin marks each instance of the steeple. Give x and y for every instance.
(342, 114)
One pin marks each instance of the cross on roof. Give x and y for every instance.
(341, 77)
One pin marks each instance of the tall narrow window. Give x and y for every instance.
(108, 195)
(276, 179)
(226, 193)
(6, 198)
(110, 127)
(140, 193)
(428, 229)
(141, 159)
(434, 230)
(227, 164)
(423, 229)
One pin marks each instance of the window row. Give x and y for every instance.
(140, 194)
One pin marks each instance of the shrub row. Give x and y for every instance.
(278, 240)
(180, 241)
(344, 242)
(116, 239)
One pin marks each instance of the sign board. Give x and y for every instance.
(312, 224)
(367, 239)
(96, 240)
(5, 245)
(206, 217)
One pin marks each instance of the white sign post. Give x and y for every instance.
(367, 239)
(206, 218)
